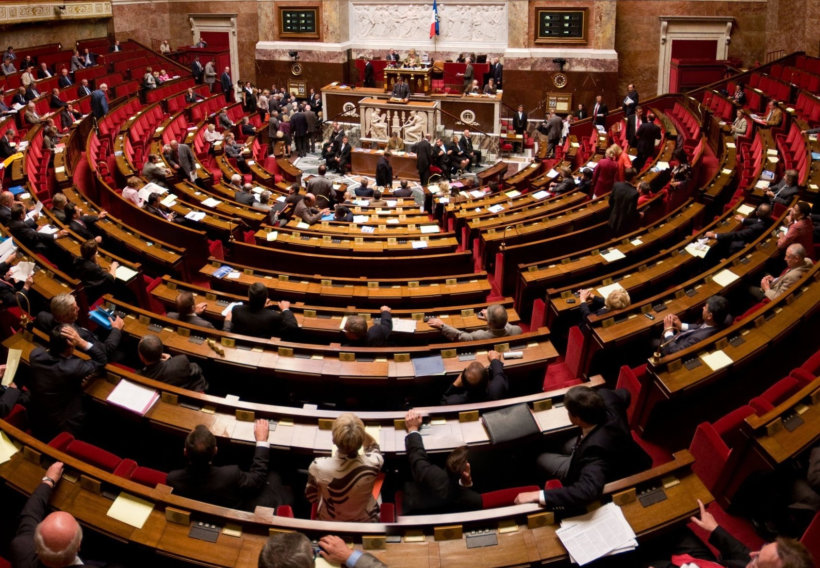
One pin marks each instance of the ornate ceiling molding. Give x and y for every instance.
(13, 13)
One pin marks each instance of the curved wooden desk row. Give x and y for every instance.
(742, 344)
(478, 217)
(345, 291)
(637, 246)
(642, 278)
(426, 541)
(327, 321)
(301, 362)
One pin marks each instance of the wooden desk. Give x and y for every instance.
(418, 78)
(364, 162)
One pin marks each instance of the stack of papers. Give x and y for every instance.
(133, 397)
(429, 229)
(602, 532)
(195, 215)
(211, 202)
(125, 274)
(358, 219)
(21, 271)
(6, 249)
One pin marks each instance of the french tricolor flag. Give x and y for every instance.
(434, 21)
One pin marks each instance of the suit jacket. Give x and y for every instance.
(554, 128)
(695, 334)
(645, 138)
(210, 73)
(8, 399)
(320, 185)
(343, 155)
(600, 116)
(45, 322)
(177, 371)
(384, 173)
(788, 279)
(424, 154)
(497, 73)
(77, 63)
(262, 323)
(465, 145)
(244, 197)
(363, 191)
(99, 104)
(298, 124)
(64, 81)
(433, 489)
(84, 91)
(191, 319)
(67, 118)
(307, 214)
(29, 236)
(607, 453)
(401, 91)
(226, 82)
(623, 208)
(186, 160)
(454, 334)
(750, 229)
(497, 387)
(227, 485)
(783, 193)
(468, 74)
(197, 70)
(95, 279)
(56, 390)
(629, 108)
(6, 148)
(520, 122)
(775, 117)
(369, 80)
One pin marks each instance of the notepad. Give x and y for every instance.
(12, 362)
(195, 215)
(404, 325)
(612, 255)
(47, 230)
(271, 236)
(552, 173)
(540, 194)
(124, 273)
(368, 229)
(725, 277)
(22, 270)
(745, 209)
(358, 219)
(762, 184)
(7, 448)
(133, 397)
(426, 229)
(477, 193)
(697, 249)
(730, 145)
(130, 510)
(717, 360)
(726, 171)
(513, 193)
(419, 244)
(302, 225)
(495, 208)
(594, 535)
(170, 200)
(428, 366)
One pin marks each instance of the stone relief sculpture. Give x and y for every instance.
(416, 127)
(378, 125)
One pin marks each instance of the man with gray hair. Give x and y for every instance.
(64, 309)
(294, 550)
(46, 540)
(497, 326)
(797, 264)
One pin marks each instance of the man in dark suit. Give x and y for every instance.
(176, 370)
(363, 190)
(465, 146)
(281, 551)
(19, 97)
(677, 336)
(633, 123)
(185, 158)
(341, 158)
(320, 185)
(55, 101)
(65, 79)
(244, 195)
(197, 70)
(299, 127)
(99, 102)
(227, 485)
(29, 236)
(6, 149)
(424, 156)
(630, 102)
(384, 171)
(783, 191)
(623, 205)
(63, 309)
(358, 335)
(477, 384)
(227, 83)
(497, 73)
(369, 79)
(84, 89)
(603, 452)
(254, 318)
(520, 120)
(750, 228)
(57, 375)
(401, 90)
(467, 75)
(435, 489)
(68, 116)
(555, 126)
(44, 72)
(44, 539)
(9, 289)
(645, 138)
(599, 112)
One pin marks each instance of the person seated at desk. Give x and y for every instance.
(31, 116)
(563, 182)
(244, 194)
(340, 161)
(497, 326)
(412, 60)
(403, 190)
(490, 88)
(192, 96)
(236, 151)
(677, 336)
(800, 228)
(783, 191)
(294, 550)
(436, 489)
(63, 308)
(56, 379)
(176, 370)
(465, 144)
(604, 451)
(227, 485)
(617, 299)
(96, 280)
(154, 172)
(9, 289)
(394, 143)
(306, 211)
(689, 550)
(796, 266)
(357, 333)
(30, 237)
(479, 384)
(155, 207)
(363, 190)
(774, 116)
(377, 200)
(224, 122)
(264, 202)
(189, 311)
(257, 319)
(473, 88)
(342, 214)
(69, 116)
(750, 228)
(83, 225)
(401, 90)
(342, 485)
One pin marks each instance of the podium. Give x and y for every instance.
(417, 78)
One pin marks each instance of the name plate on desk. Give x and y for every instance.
(449, 532)
(245, 415)
(347, 356)
(540, 519)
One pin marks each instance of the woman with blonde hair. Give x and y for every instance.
(342, 485)
(605, 173)
(621, 160)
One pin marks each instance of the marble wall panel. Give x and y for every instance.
(64, 32)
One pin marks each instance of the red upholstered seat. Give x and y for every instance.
(284, 511)
(148, 476)
(811, 538)
(86, 452)
(504, 497)
(566, 372)
(538, 317)
(775, 394)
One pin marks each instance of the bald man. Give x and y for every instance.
(41, 540)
